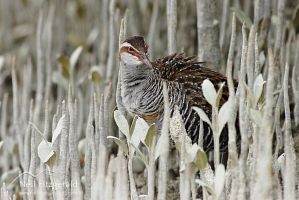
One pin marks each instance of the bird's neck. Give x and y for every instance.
(136, 74)
(140, 90)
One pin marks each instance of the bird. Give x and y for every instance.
(142, 88)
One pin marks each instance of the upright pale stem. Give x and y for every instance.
(171, 25)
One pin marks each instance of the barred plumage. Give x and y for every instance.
(142, 87)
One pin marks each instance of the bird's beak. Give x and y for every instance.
(145, 60)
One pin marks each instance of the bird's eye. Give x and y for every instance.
(130, 49)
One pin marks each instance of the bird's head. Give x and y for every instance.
(133, 51)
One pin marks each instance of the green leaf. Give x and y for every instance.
(219, 180)
(95, 74)
(139, 132)
(219, 95)
(132, 127)
(201, 159)
(45, 151)
(120, 144)
(51, 161)
(203, 116)
(242, 17)
(122, 123)
(58, 129)
(209, 91)
(150, 136)
(224, 115)
(65, 64)
(198, 156)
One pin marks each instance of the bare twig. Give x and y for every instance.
(63, 154)
(257, 5)
(279, 26)
(171, 25)
(88, 151)
(289, 177)
(48, 50)
(250, 56)
(295, 83)
(232, 149)
(223, 24)
(231, 122)
(263, 187)
(32, 167)
(3, 128)
(243, 118)
(208, 32)
(40, 67)
(133, 190)
(111, 57)
(76, 192)
(153, 27)
(163, 160)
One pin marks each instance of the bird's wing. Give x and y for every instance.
(190, 73)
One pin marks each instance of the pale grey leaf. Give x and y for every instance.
(258, 87)
(45, 151)
(75, 56)
(58, 129)
(281, 161)
(122, 123)
(140, 155)
(139, 132)
(150, 136)
(209, 91)
(120, 144)
(224, 115)
(191, 152)
(203, 116)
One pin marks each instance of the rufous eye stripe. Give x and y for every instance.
(128, 45)
(135, 52)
